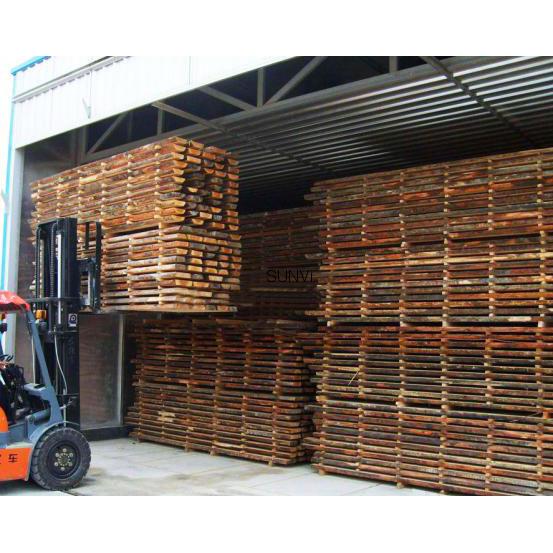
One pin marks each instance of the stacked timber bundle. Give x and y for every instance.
(466, 452)
(463, 242)
(234, 387)
(168, 211)
(465, 367)
(434, 359)
(279, 263)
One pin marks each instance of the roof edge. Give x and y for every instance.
(28, 63)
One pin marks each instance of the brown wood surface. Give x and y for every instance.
(433, 363)
(463, 452)
(280, 253)
(461, 242)
(170, 221)
(233, 387)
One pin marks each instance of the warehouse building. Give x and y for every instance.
(292, 122)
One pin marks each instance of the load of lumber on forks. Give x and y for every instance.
(170, 222)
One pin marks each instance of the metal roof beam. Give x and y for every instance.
(296, 79)
(321, 99)
(107, 133)
(373, 65)
(338, 101)
(260, 86)
(440, 68)
(235, 134)
(227, 98)
(185, 115)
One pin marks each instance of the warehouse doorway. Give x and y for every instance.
(405, 115)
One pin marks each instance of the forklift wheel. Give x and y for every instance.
(61, 459)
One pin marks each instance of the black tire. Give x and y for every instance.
(61, 459)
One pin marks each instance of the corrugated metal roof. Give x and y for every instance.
(27, 64)
(43, 69)
(402, 119)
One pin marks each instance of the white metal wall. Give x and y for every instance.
(48, 70)
(60, 94)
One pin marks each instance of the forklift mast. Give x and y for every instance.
(59, 298)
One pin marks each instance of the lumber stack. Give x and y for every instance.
(227, 386)
(461, 242)
(466, 367)
(168, 212)
(434, 357)
(279, 263)
(464, 452)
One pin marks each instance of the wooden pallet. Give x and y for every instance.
(232, 387)
(279, 263)
(169, 215)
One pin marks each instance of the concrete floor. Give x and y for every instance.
(127, 467)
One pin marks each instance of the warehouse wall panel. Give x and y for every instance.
(49, 69)
(51, 101)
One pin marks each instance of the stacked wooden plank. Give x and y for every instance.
(467, 241)
(168, 212)
(480, 368)
(229, 386)
(465, 452)
(434, 358)
(279, 263)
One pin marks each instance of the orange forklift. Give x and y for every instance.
(40, 437)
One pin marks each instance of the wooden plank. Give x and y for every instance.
(233, 387)
(279, 263)
(433, 362)
(169, 215)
